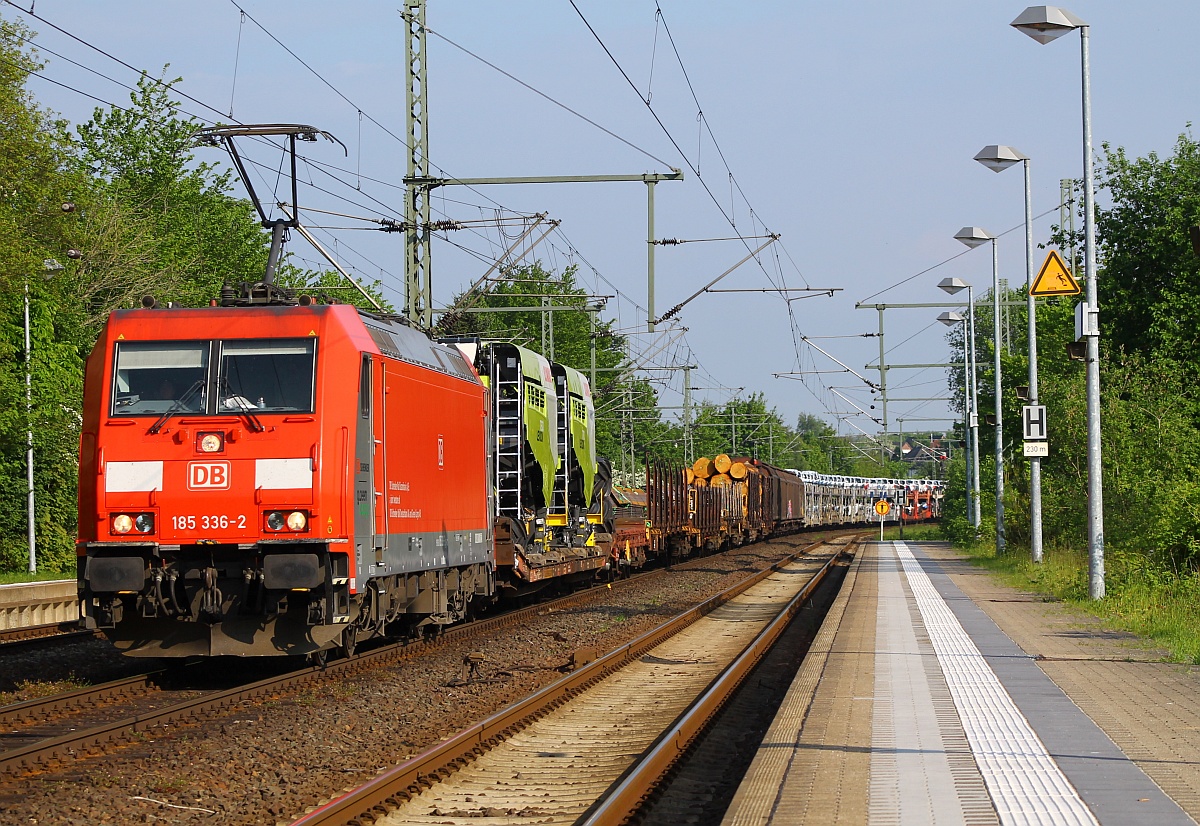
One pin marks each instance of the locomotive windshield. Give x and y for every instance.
(152, 377)
(265, 375)
(252, 375)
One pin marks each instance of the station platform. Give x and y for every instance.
(935, 695)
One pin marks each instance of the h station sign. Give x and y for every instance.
(1033, 421)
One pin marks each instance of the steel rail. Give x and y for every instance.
(427, 768)
(39, 707)
(70, 746)
(12, 638)
(631, 792)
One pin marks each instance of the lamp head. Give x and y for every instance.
(1046, 23)
(950, 318)
(999, 158)
(953, 285)
(973, 236)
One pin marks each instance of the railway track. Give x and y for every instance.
(590, 747)
(32, 635)
(48, 732)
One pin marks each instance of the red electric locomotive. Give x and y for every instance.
(244, 471)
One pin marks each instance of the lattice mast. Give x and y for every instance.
(418, 289)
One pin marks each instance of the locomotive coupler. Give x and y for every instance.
(211, 598)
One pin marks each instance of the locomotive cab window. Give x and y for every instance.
(152, 377)
(267, 375)
(253, 375)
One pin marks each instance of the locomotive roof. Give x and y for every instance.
(391, 338)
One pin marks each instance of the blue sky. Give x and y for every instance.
(849, 129)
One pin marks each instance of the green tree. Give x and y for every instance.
(626, 407)
(331, 286)
(38, 177)
(1147, 280)
(1150, 405)
(146, 219)
(162, 220)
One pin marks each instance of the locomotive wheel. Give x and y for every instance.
(319, 658)
(349, 642)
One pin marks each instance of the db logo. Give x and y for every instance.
(208, 476)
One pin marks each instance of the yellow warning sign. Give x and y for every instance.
(883, 507)
(1054, 278)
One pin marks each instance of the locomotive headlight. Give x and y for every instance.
(211, 442)
(275, 521)
(122, 523)
(144, 522)
(297, 520)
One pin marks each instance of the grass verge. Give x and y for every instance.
(912, 533)
(10, 577)
(1163, 606)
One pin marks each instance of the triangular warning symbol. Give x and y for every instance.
(1054, 278)
(312, 332)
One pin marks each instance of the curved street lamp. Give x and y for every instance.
(999, 158)
(974, 237)
(971, 434)
(1044, 24)
(49, 267)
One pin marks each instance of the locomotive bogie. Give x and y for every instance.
(208, 600)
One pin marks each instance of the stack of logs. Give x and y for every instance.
(718, 472)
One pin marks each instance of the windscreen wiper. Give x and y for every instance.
(246, 409)
(176, 406)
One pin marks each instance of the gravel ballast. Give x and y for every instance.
(269, 761)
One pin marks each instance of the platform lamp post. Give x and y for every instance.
(998, 158)
(1044, 24)
(950, 318)
(952, 286)
(49, 267)
(973, 237)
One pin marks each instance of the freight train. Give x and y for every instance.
(270, 475)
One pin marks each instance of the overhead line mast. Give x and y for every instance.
(418, 287)
(419, 184)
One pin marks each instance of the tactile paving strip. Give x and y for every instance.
(1026, 785)
(922, 769)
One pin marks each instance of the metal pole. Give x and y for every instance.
(1035, 462)
(29, 434)
(967, 418)
(974, 412)
(417, 281)
(882, 375)
(687, 415)
(650, 255)
(1000, 544)
(543, 349)
(1095, 482)
(592, 316)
